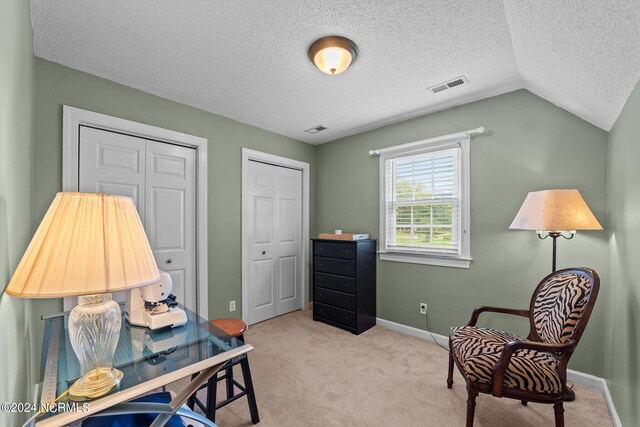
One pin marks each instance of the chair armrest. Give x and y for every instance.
(512, 311)
(513, 346)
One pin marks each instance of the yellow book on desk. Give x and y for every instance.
(343, 236)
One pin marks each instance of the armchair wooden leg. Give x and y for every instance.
(472, 390)
(450, 376)
(559, 412)
(524, 402)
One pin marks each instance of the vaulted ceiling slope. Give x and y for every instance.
(247, 60)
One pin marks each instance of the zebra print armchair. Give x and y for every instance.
(532, 369)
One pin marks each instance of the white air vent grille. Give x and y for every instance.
(458, 81)
(315, 129)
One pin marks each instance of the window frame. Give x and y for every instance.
(462, 260)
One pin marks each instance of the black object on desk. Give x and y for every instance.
(344, 283)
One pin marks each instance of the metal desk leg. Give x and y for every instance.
(185, 393)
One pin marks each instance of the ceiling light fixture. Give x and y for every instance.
(333, 54)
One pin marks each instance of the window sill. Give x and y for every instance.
(425, 259)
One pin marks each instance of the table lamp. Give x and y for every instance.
(88, 245)
(551, 213)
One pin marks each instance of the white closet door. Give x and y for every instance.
(171, 215)
(288, 248)
(113, 163)
(274, 209)
(161, 179)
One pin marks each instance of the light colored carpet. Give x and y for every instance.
(308, 373)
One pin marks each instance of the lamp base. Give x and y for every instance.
(94, 330)
(95, 383)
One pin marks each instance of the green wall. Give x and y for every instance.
(529, 145)
(57, 85)
(17, 362)
(622, 338)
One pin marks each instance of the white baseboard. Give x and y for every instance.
(615, 419)
(414, 332)
(586, 380)
(575, 377)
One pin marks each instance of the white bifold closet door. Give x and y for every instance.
(274, 209)
(161, 179)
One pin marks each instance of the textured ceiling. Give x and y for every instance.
(582, 55)
(247, 59)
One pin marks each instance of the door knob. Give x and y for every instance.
(169, 261)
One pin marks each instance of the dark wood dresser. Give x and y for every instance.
(344, 283)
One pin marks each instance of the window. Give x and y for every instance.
(424, 194)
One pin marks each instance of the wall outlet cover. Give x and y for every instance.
(423, 308)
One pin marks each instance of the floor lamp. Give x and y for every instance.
(555, 213)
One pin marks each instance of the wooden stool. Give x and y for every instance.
(234, 328)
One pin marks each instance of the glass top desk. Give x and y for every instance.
(148, 359)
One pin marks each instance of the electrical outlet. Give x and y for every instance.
(423, 308)
(232, 305)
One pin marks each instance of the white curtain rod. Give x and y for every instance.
(385, 150)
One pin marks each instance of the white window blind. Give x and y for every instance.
(423, 199)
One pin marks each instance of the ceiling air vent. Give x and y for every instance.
(439, 88)
(448, 85)
(315, 129)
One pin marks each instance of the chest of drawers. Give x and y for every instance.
(344, 283)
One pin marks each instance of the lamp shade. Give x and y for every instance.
(85, 244)
(555, 210)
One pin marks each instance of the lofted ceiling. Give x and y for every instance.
(247, 60)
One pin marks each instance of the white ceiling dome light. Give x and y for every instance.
(333, 54)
